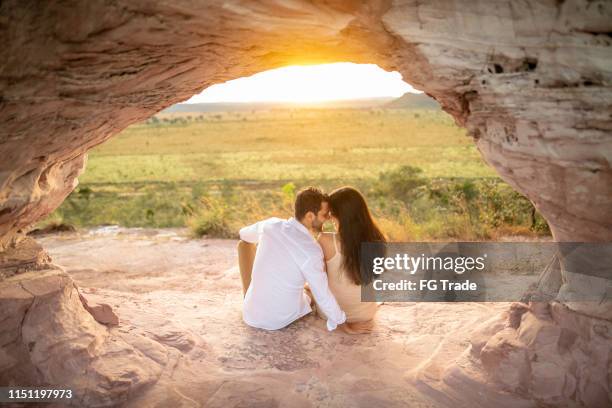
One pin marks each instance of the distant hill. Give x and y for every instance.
(406, 101)
(413, 101)
(249, 106)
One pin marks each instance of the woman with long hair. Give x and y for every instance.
(342, 250)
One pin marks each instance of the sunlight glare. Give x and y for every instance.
(310, 83)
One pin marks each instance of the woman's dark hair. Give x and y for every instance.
(356, 227)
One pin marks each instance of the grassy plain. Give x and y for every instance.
(286, 145)
(217, 171)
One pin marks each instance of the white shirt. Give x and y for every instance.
(287, 256)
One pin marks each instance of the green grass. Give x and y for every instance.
(284, 145)
(217, 171)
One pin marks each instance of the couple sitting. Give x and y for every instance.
(285, 271)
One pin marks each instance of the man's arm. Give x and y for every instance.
(252, 233)
(246, 259)
(316, 277)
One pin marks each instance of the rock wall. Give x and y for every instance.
(47, 337)
(544, 351)
(530, 80)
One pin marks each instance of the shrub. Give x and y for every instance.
(211, 219)
(401, 183)
(468, 209)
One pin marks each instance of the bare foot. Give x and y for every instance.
(358, 327)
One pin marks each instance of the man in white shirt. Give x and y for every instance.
(287, 257)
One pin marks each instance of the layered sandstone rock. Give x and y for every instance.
(48, 338)
(530, 81)
(548, 352)
(22, 256)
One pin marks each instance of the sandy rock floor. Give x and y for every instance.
(186, 295)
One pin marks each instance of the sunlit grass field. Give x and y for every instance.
(217, 171)
(334, 144)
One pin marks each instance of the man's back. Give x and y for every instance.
(287, 256)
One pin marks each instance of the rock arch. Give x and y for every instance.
(531, 83)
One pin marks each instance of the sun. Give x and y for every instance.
(309, 84)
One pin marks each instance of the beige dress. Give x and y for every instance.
(346, 292)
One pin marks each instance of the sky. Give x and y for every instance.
(312, 83)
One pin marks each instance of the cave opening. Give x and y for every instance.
(241, 149)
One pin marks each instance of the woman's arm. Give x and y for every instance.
(326, 241)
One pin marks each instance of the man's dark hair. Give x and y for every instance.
(308, 199)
